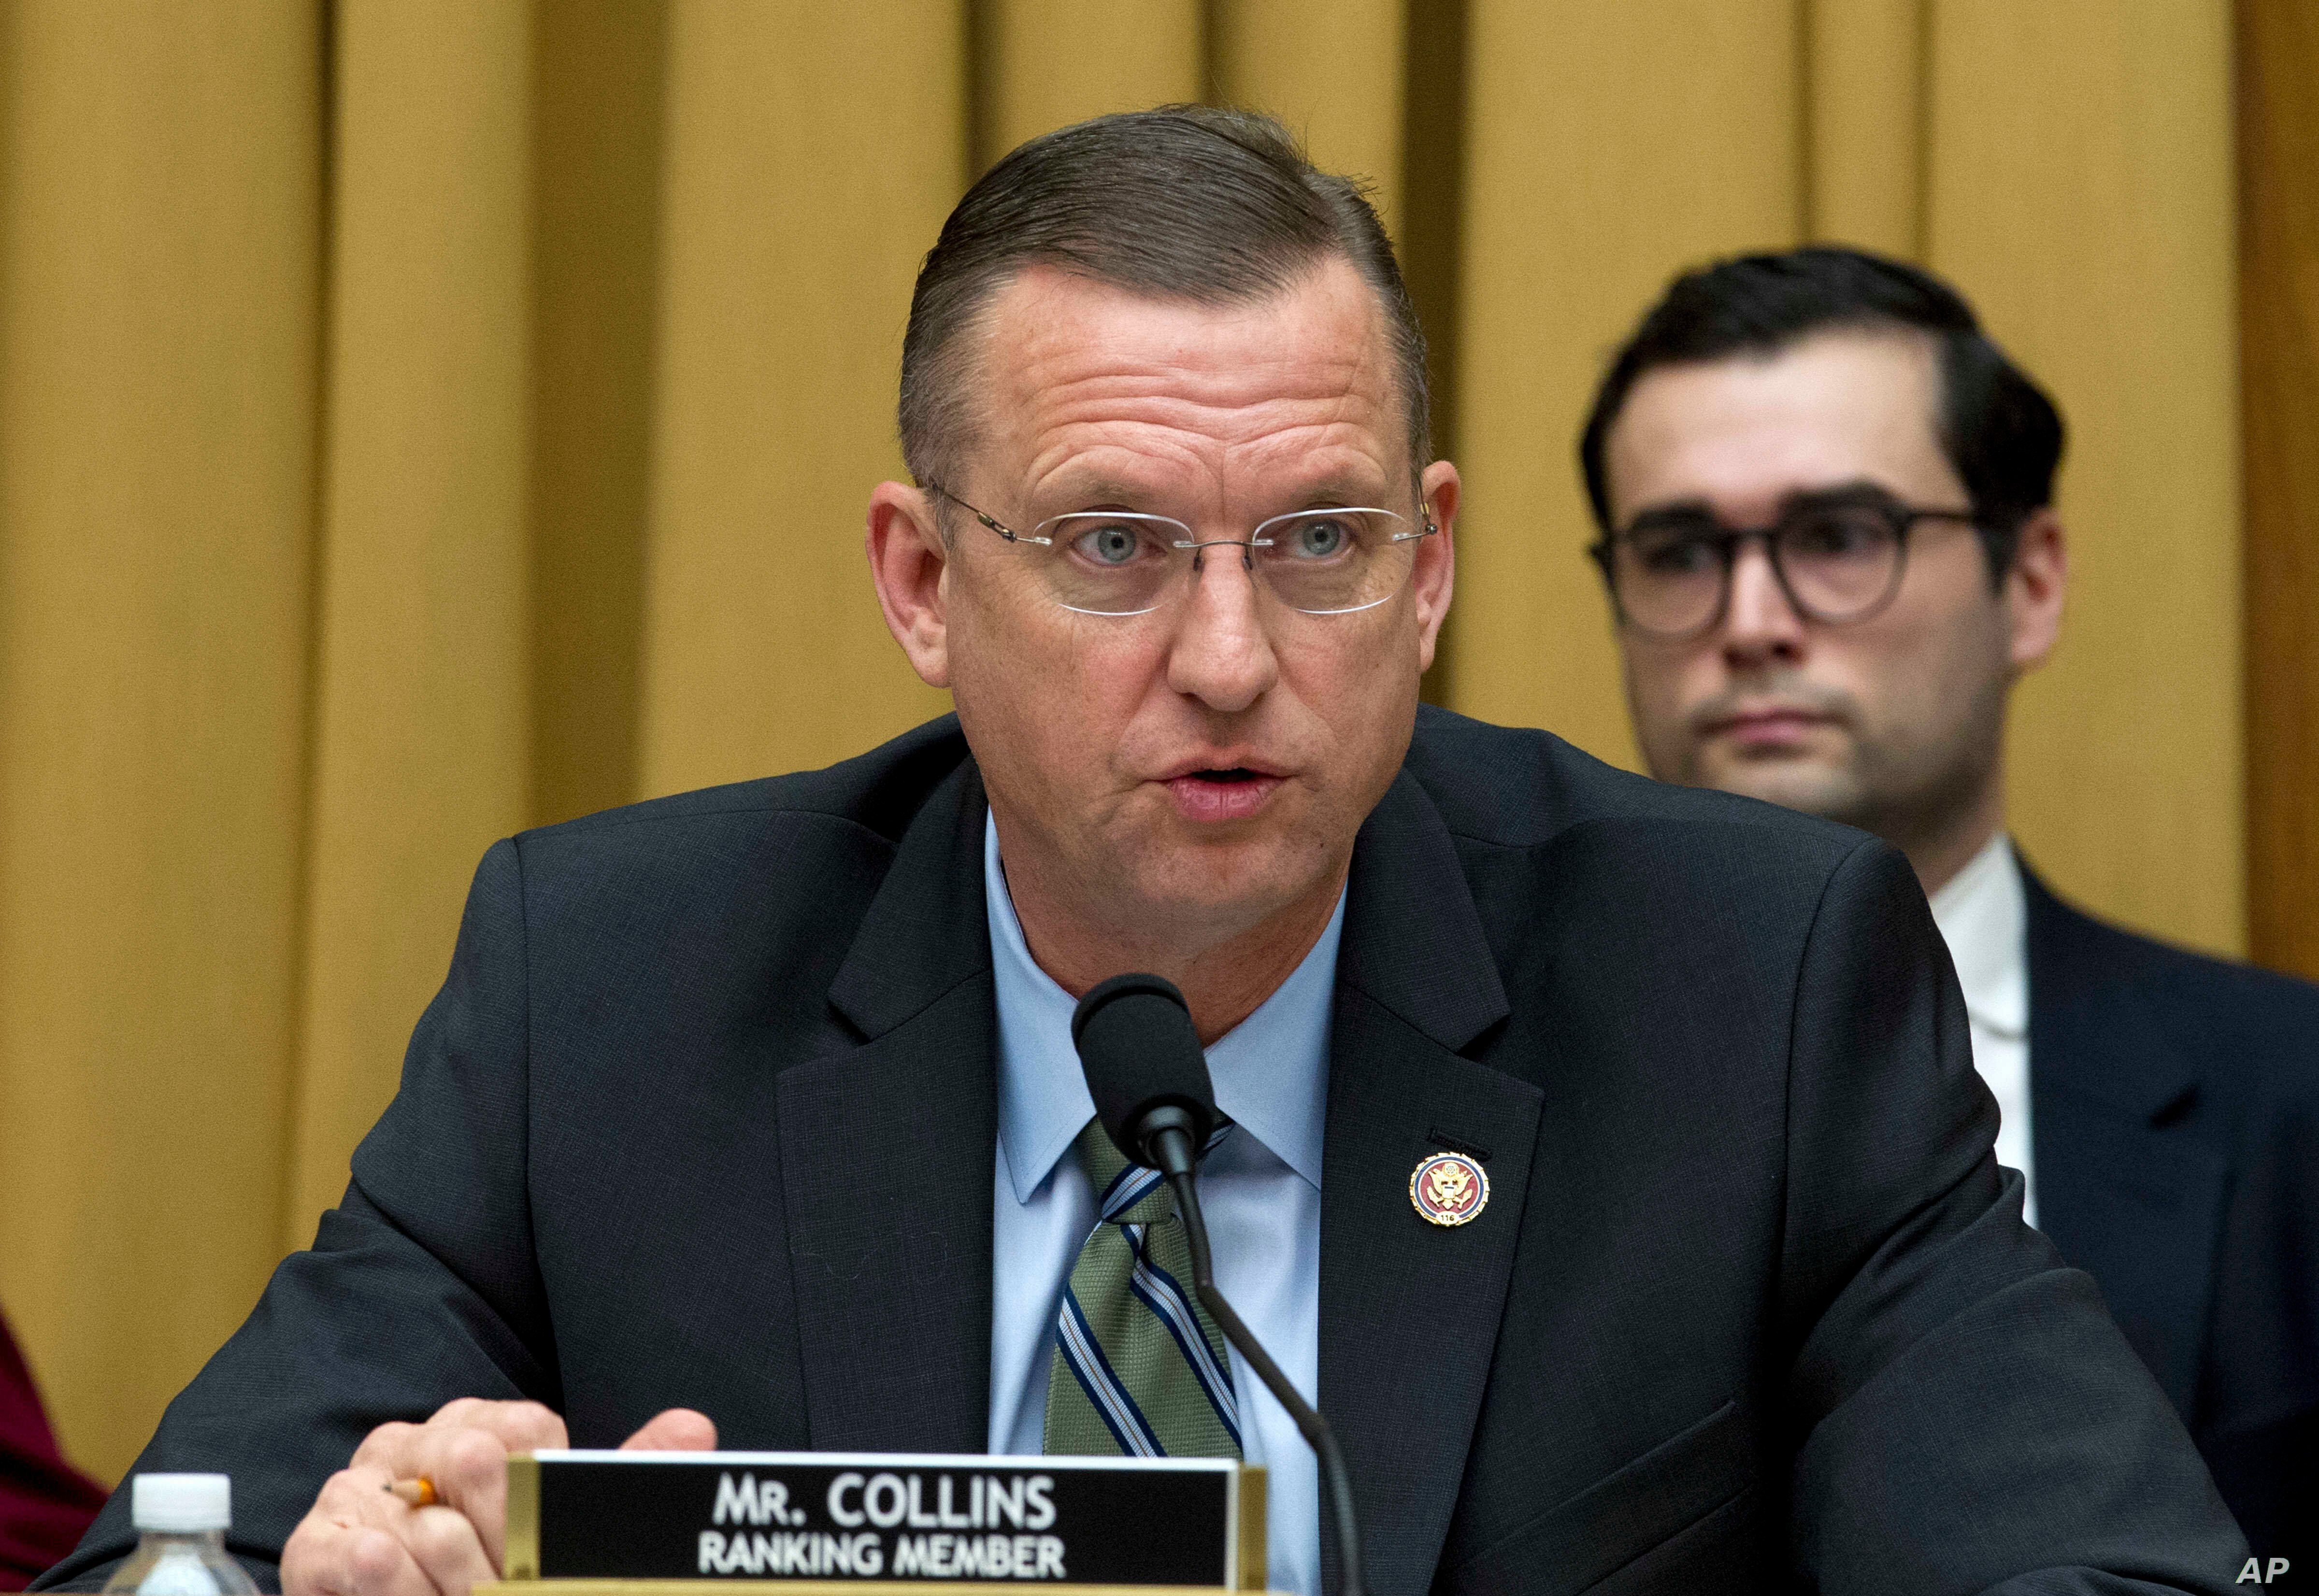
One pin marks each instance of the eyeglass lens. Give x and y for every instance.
(1838, 562)
(1322, 561)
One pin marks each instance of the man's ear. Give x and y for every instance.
(907, 560)
(2034, 589)
(1436, 557)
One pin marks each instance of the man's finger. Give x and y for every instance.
(384, 1448)
(361, 1541)
(378, 1564)
(677, 1430)
(469, 1468)
(350, 1560)
(521, 1426)
(446, 1546)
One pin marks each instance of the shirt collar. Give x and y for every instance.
(1271, 1070)
(1984, 915)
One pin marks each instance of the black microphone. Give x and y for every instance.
(1149, 1078)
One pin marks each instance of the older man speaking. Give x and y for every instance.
(758, 1105)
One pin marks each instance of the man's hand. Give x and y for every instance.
(360, 1540)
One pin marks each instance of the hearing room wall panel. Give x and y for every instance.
(160, 274)
(2080, 192)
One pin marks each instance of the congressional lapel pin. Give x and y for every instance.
(1448, 1188)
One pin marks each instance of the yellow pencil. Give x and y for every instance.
(419, 1493)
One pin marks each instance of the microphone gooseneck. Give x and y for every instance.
(1149, 1078)
(1309, 1423)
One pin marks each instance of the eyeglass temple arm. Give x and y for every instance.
(1007, 532)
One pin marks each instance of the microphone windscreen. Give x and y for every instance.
(1138, 1046)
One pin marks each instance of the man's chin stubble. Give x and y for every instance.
(1805, 786)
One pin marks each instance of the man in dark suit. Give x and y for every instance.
(761, 1100)
(1829, 541)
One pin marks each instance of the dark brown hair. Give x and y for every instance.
(1184, 202)
(2002, 434)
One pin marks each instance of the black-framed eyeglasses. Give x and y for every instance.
(1839, 561)
(1335, 560)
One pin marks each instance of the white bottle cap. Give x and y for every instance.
(182, 1503)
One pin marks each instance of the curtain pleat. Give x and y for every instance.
(1863, 150)
(599, 77)
(1588, 182)
(419, 420)
(1041, 64)
(2079, 189)
(812, 154)
(2277, 91)
(1333, 71)
(422, 729)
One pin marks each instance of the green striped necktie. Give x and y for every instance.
(1139, 1369)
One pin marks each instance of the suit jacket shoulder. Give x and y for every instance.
(2253, 1032)
(881, 792)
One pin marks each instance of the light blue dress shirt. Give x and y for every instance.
(1260, 1191)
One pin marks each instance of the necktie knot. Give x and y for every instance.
(1138, 1367)
(1125, 1192)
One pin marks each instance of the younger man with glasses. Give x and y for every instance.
(1830, 544)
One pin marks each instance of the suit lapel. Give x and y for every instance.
(1409, 1310)
(2125, 1187)
(888, 1154)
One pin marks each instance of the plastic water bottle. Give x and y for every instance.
(181, 1523)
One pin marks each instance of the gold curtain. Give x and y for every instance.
(419, 420)
(2278, 340)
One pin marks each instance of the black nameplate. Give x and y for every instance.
(833, 1515)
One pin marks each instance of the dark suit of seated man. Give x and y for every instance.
(757, 1106)
(1855, 660)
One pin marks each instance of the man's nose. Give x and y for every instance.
(1759, 622)
(1222, 654)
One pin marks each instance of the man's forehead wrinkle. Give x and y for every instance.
(1073, 378)
(1098, 396)
(1130, 449)
(1226, 427)
(1245, 396)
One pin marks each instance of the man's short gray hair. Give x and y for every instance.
(1184, 202)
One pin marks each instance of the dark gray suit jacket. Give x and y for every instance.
(2174, 1101)
(705, 1115)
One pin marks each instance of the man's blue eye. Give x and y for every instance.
(1321, 537)
(1111, 543)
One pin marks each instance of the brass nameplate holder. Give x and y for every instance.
(592, 1523)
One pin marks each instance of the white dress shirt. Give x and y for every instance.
(1983, 914)
(1261, 1190)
